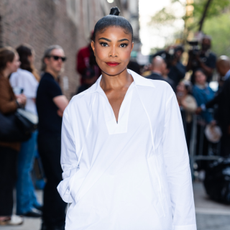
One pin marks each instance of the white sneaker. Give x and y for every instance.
(14, 220)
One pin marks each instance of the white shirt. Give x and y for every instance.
(132, 174)
(25, 80)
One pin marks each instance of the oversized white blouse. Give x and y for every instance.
(132, 174)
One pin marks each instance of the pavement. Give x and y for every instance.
(210, 215)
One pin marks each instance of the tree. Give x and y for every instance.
(196, 13)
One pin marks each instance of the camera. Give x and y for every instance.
(193, 53)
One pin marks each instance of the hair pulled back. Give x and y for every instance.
(25, 51)
(7, 54)
(47, 54)
(113, 19)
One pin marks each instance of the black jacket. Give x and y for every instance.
(222, 99)
(157, 76)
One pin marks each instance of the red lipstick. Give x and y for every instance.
(112, 64)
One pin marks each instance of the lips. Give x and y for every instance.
(112, 64)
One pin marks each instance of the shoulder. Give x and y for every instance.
(152, 89)
(83, 50)
(25, 73)
(212, 55)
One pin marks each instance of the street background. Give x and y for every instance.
(209, 214)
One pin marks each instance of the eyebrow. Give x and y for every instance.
(124, 39)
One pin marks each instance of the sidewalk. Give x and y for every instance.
(210, 215)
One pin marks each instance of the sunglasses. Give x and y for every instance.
(56, 58)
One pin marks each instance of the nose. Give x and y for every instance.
(113, 52)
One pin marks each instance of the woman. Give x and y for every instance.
(124, 154)
(26, 79)
(188, 107)
(203, 93)
(9, 63)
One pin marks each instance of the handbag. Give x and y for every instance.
(17, 126)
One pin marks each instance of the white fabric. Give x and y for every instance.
(130, 175)
(25, 80)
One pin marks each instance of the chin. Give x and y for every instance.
(113, 72)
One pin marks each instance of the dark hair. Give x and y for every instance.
(113, 19)
(47, 54)
(24, 52)
(200, 70)
(7, 54)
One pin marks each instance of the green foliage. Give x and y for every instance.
(163, 17)
(218, 29)
(215, 9)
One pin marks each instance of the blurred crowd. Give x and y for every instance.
(22, 86)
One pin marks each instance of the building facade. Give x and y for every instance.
(42, 23)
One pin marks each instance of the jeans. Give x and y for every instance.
(26, 198)
(8, 164)
(49, 147)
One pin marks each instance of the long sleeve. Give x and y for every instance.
(69, 158)
(7, 98)
(178, 169)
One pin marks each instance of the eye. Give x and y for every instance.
(104, 44)
(123, 45)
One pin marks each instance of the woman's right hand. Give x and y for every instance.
(21, 99)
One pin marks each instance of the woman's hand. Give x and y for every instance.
(21, 99)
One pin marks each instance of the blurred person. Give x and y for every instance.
(188, 106)
(172, 56)
(159, 69)
(124, 157)
(223, 103)
(51, 104)
(134, 66)
(26, 78)
(203, 93)
(85, 60)
(176, 69)
(202, 59)
(9, 63)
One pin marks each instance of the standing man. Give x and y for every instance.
(223, 102)
(159, 71)
(50, 106)
(204, 59)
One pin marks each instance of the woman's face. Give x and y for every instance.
(181, 88)
(200, 78)
(112, 48)
(13, 66)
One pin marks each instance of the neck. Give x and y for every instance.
(121, 80)
(6, 73)
(53, 73)
(156, 71)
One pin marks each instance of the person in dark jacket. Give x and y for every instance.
(159, 69)
(223, 103)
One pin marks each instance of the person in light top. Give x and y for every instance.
(123, 154)
(26, 79)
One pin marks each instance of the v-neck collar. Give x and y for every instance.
(123, 117)
(114, 126)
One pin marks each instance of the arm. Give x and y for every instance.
(69, 158)
(61, 102)
(7, 105)
(178, 169)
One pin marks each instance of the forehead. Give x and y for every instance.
(58, 52)
(114, 31)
